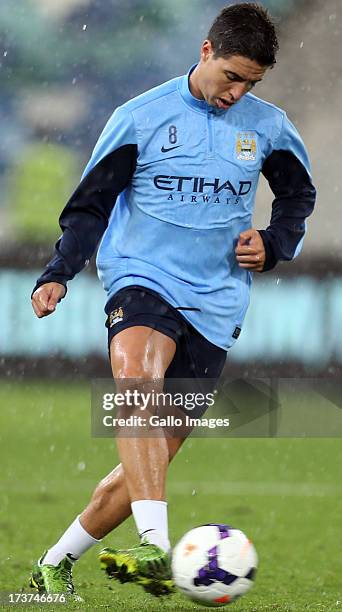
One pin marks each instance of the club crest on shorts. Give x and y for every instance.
(116, 316)
(246, 146)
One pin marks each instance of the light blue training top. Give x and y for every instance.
(191, 191)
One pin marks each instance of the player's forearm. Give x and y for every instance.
(69, 257)
(294, 201)
(73, 250)
(281, 240)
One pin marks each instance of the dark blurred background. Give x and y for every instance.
(64, 67)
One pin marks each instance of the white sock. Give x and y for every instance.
(75, 541)
(151, 520)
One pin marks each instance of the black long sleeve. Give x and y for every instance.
(286, 169)
(85, 216)
(294, 201)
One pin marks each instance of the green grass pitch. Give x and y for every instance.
(285, 494)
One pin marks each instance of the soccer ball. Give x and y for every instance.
(213, 564)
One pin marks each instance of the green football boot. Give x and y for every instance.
(145, 564)
(54, 578)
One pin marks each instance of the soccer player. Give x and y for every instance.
(170, 190)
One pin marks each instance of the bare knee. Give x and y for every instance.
(134, 370)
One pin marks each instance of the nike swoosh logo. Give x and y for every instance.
(141, 535)
(163, 150)
(146, 531)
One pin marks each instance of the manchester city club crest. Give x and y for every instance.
(116, 316)
(246, 146)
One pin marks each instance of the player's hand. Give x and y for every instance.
(46, 297)
(250, 251)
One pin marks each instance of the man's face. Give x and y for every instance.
(223, 81)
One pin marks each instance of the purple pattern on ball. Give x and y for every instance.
(213, 565)
(212, 572)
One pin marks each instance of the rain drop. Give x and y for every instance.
(84, 27)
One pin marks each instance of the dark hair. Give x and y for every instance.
(245, 29)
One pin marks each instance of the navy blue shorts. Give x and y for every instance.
(195, 356)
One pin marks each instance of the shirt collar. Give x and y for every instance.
(195, 103)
